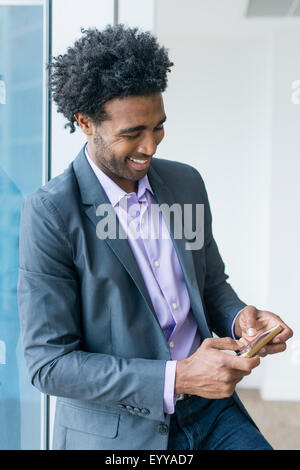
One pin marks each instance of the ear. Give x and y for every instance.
(85, 123)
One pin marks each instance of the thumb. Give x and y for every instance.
(223, 343)
(248, 323)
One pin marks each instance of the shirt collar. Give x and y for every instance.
(113, 191)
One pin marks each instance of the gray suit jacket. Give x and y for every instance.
(90, 332)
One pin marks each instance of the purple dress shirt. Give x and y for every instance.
(156, 257)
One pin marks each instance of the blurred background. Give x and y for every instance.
(233, 108)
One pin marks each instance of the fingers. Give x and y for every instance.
(227, 360)
(272, 349)
(248, 323)
(222, 343)
(244, 364)
(286, 334)
(243, 341)
(278, 344)
(229, 377)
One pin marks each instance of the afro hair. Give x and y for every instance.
(115, 62)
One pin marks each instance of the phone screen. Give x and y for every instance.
(264, 338)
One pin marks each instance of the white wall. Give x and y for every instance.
(69, 16)
(230, 115)
(282, 380)
(137, 13)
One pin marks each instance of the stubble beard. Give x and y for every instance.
(105, 156)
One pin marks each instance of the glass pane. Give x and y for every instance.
(21, 73)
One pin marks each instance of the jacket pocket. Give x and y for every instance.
(89, 421)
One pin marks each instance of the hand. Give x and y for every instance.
(251, 322)
(211, 372)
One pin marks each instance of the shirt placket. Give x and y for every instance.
(150, 233)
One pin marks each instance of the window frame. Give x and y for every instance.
(46, 155)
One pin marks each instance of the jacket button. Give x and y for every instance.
(163, 429)
(129, 408)
(145, 411)
(137, 410)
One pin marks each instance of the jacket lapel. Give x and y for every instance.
(92, 195)
(185, 257)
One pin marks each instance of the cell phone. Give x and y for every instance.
(255, 346)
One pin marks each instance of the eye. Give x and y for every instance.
(135, 136)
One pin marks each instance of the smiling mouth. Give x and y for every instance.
(139, 160)
(139, 163)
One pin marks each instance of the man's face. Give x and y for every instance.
(123, 146)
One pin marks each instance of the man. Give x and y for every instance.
(116, 323)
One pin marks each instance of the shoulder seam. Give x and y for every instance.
(52, 207)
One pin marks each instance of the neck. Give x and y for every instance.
(126, 185)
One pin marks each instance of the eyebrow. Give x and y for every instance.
(140, 128)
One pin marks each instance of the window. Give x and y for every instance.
(21, 173)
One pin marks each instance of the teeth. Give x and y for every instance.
(137, 161)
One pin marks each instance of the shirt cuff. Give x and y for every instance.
(169, 395)
(233, 323)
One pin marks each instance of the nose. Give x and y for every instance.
(148, 145)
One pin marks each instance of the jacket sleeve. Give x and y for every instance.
(220, 300)
(49, 307)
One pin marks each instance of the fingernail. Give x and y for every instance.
(251, 331)
(243, 342)
(276, 340)
(263, 351)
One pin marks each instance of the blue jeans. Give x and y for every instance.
(202, 424)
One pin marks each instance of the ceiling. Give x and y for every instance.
(273, 8)
(242, 17)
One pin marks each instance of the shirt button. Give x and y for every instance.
(174, 305)
(145, 411)
(156, 263)
(163, 429)
(171, 344)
